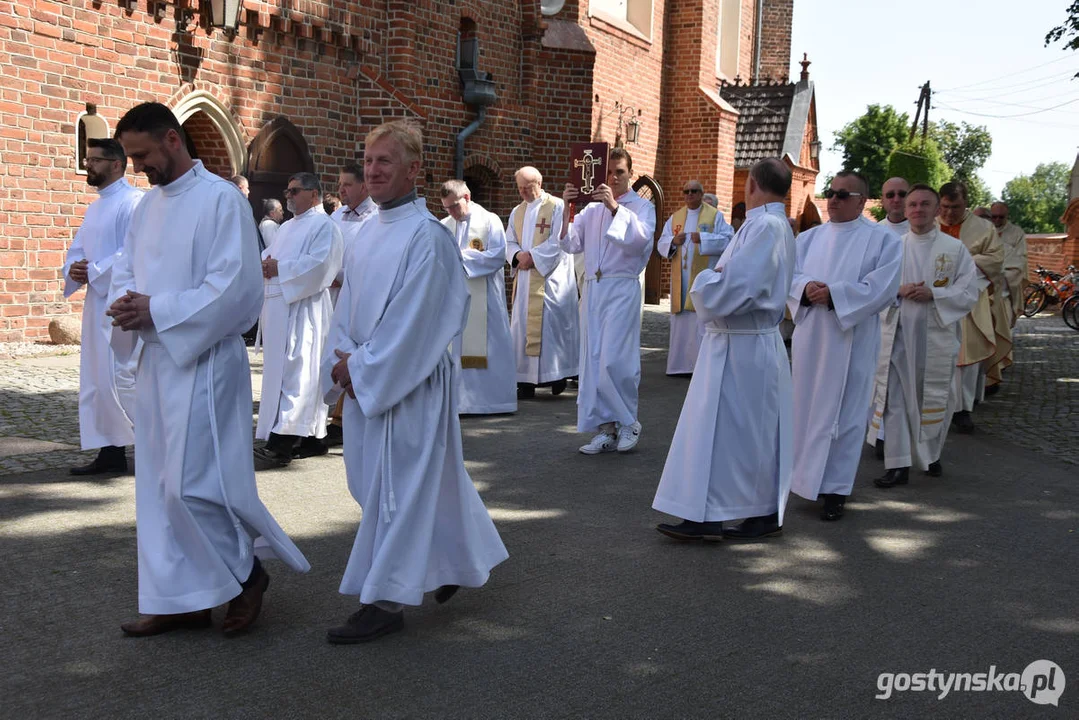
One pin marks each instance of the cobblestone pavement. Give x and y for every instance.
(1038, 406)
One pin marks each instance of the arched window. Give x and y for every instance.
(87, 125)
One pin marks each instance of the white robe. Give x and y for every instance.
(834, 352)
(403, 301)
(559, 336)
(899, 228)
(348, 221)
(914, 433)
(106, 385)
(492, 389)
(192, 248)
(731, 453)
(617, 247)
(294, 322)
(268, 229)
(687, 329)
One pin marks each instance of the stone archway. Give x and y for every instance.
(208, 121)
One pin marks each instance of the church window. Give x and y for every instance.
(88, 125)
(727, 38)
(632, 15)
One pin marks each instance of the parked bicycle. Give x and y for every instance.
(1053, 288)
(1070, 311)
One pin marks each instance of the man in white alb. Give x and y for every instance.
(356, 202)
(298, 269)
(106, 386)
(1014, 241)
(543, 326)
(272, 217)
(189, 283)
(731, 453)
(404, 298)
(484, 351)
(847, 272)
(692, 237)
(615, 236)
(913, 399)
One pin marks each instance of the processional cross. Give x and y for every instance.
(588, 163)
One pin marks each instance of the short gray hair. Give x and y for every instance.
(308, 181)
(711, 199)
(456, 188)
(269, 205)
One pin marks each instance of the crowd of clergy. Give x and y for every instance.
(378, 325)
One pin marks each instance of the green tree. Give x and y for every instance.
(977, 191)
(1036, 201)
(919, 161)
(868, 141)
(965, 148)
(1068, 31)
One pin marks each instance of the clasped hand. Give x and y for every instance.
(269, 268)
(131, 312)
(78, 272)
(524, 260)
(915, 291)
(340, 374)
(817, 292)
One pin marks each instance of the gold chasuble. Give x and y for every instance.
(536, 281)
(706, 222)
(474, 338)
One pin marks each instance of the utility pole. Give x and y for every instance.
(923, 102)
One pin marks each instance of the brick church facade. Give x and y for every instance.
(297, 88)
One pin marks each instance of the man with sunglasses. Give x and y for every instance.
(846, 273)
(691, 235)
(106, 385)
(298, 269)
(986, 331)
(893, 196)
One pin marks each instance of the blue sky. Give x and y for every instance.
(984, 56)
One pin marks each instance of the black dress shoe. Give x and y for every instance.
(367, 624)
(689, 531)
(334, 436)
(444, 593)
(963, 422)
(310, 447)
(526, 391)
(992, 390)
(558, 387)
(274, 458)
(110, 459)
(895, 476)
(755, 528)
(878, 449)
(833, 506)
(935, 470)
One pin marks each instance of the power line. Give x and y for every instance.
(1012, 74)
(1011, 104)
(1017, 115)
(1015, 88)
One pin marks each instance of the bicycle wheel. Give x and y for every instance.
(1033, 300)
(1070, 312)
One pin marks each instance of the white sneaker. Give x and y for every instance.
(601, 443)
(628, 436)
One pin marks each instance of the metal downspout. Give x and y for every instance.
(459, 153)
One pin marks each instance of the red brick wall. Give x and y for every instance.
(209, 144)
(776, 39)
(334, 69)
(1051, 251)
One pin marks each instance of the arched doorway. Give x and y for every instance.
(483, 184)
(649, 189)
(277, 153)
(213, 135)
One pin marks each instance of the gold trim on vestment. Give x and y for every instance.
(536, 282)
(473, 362)
(701, 262)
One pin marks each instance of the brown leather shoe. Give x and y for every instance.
(148, 625)
(244, 608)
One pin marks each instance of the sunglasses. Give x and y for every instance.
(892, 193)
(999, 217)
(840, 194)
(691, 192)
(293, 191)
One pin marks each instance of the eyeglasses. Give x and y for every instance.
(840, 194)
(999, 217)
(892, 193)
(691, 192)
(99, 159)
(289, 192)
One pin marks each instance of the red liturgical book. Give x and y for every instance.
(588, 169)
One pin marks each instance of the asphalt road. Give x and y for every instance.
(595, 615)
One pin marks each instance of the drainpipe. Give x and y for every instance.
(757, 50)
(459, 154)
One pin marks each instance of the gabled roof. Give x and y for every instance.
(772, 119)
